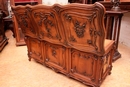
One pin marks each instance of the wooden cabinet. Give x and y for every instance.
(3, 39)
(69, 39)
(113, 24)
(17, 29)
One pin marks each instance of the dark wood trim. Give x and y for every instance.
(123, 5)
(3, 39)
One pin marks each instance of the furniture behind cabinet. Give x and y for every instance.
(17, 29)
(3, 38)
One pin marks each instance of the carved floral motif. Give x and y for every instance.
(79, 28)
(23, 20)
(72, 39)
(93, 32)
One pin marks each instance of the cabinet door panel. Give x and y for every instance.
(83, 65)
(35, 50)
(77, 27)
(25, 22)
(56, 56)
(82, 28)
(47, 24)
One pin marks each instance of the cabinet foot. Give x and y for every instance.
(3, 43)
(116, 56)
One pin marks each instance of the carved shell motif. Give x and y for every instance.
(57, 9)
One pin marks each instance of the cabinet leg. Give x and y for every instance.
(29, 59)
(116, 56)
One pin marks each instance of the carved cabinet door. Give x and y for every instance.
(55, 57)
(47, 24)
(83, 66)
(78, 27)
(81, 29)
(25, 23)
(35, 51)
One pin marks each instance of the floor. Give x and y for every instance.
(17, 71)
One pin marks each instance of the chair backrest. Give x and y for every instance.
(78, 26)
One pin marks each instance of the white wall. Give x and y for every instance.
(51, 2)
(125, 30)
